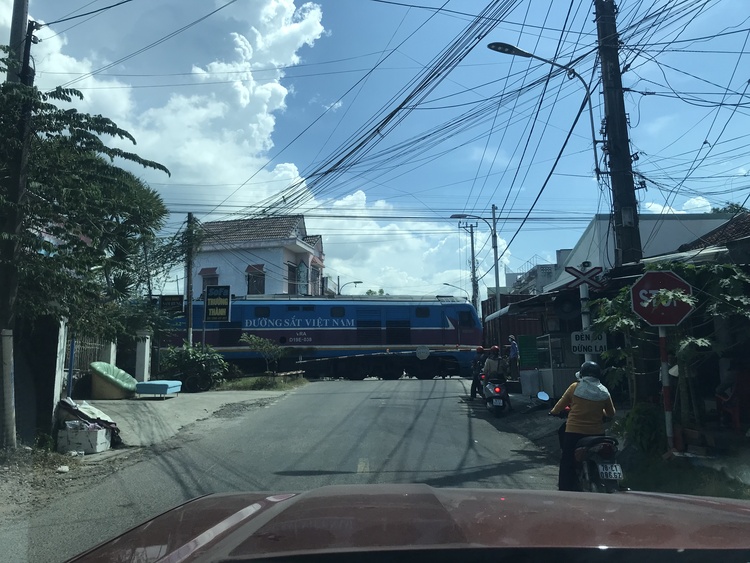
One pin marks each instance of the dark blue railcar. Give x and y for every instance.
(353, 336)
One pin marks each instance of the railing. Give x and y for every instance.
(86, 350)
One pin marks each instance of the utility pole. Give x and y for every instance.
(189, 278)
(474, 281)
(627, 234)
(18, 38)
(14, 186)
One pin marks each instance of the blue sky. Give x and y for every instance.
(253, 107)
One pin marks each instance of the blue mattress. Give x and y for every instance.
(158, 387)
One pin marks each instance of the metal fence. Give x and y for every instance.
(85, 351)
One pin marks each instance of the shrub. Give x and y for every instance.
(644, 427)
(267, 348)
(198, 368)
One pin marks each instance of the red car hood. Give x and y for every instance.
(336, 518)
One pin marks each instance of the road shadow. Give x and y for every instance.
(311, 472)
(486, 473)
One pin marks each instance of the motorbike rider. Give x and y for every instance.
(589, 401)
(492, 363)
(494, 368)
(476, 369)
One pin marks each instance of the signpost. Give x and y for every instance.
(216, 305)
(655, 314)
(586, 342)
(172, 303)
(661, 315)
(582, 279)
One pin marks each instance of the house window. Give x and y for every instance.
(256, 280)
(302, 279)
(210, 277)
(291, 276)
(315, 281)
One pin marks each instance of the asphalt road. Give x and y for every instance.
(328, 432)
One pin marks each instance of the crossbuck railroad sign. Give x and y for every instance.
(586, 277)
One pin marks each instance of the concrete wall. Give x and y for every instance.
(232, 263)
(660, 234)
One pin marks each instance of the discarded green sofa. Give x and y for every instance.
(110, 382)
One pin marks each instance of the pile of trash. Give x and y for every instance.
(84, 429)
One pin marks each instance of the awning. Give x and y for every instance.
(254, 269)
(537, 302)
(207, 271)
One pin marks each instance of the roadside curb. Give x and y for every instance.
(147, 424)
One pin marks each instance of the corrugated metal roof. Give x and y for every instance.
(263, 228)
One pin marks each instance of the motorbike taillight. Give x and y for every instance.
(604, 449)
(482, 376)
(497, 389)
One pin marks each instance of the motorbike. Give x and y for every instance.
(543, 401)
(482, 383)
(596, 461)
(496, 396)
(596, 464)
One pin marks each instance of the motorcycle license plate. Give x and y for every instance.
(611, 471)
(497, 402)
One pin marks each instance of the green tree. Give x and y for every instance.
(269, 349)
(615, 315)
(729, 207)
(720, 290)
(81, 217)
(70, 218)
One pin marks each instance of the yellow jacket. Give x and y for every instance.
(589, 401)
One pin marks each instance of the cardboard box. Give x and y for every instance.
(86, 441)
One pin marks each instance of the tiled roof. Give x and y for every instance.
(736, 228)
(312, 240)
(263, 228)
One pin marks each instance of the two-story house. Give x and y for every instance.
(260, 256)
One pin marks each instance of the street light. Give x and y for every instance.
(347, 283)
(508, 49)
(493, 229)
(461, 288)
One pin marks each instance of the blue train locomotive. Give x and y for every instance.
(351, 337)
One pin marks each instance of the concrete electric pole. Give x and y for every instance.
(474, 281)
(13, 185)
(189, 278)
(18, 24)
(625, 207)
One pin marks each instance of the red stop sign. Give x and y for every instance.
(668, 314)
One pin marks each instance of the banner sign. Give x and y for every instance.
(172, 303)
(217, 303)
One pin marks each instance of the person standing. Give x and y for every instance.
(514, 358)
(589, 401)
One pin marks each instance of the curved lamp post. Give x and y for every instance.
(347, 283)
(493, 229)
(508, 49)
(459, 288)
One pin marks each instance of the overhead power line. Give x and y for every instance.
(149, 46)
(87, 13)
